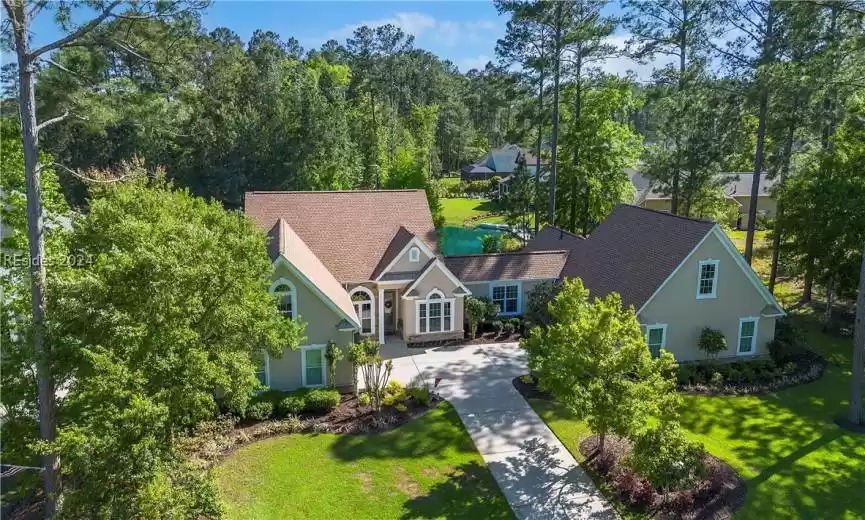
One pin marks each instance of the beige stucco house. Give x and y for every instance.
(367, 263)
(679, 274)
(737, 189)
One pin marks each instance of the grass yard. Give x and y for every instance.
(428, 468)
(797, 463)
(457, 210)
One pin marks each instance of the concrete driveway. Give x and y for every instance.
(539, 477)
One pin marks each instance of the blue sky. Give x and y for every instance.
(464, 32)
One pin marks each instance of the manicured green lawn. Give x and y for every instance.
(428, 468)
(457, 210)
(796, 461)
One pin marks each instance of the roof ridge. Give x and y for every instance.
(512, 253)
(668, 214)
(581, 237)
(278, 192)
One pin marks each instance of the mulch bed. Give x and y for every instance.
(716, 497)
(530, 390)
(352, 417)
(809, 368)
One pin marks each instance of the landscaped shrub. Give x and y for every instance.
(363, 399)
(685, 374)
(666, 458)
(711, 342)
(527, 379)
(292, 405)
(420, 395)
(401, 408)
(508, 328)
(497, 326)
(322, 400)
(260, 411)
(789, 343)
(717, 379)
(477, 311)
(517, 323)
(538, 300)
(394, 393)
(789, 367)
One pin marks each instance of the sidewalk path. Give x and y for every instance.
(539, 477)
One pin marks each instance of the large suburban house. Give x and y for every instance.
(501, 163)
(367, 263)
(737, 188)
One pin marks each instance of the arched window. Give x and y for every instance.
(363, 302)
(287, 294)
(435, 313)
(414, 254)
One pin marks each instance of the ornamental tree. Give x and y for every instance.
(712, 341)
(594, 360)
(478, 310)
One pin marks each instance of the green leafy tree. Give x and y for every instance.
(711, 342)
(590, 188)
(538, 302)
(333, 354)
(594, 360)
(168, 304)
(375, 371)
(477, 311)
(518, 200)
(667, 458)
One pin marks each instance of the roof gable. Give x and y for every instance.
(301, 261)
(633, 251)
(349, 231)
(394, 259)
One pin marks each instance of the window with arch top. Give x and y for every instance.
(363, 302)
(286, 295)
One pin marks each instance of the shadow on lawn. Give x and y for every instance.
(796, 461)
(469, 493)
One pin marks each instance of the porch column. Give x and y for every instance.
(381, 316)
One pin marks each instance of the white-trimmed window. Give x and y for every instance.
(707, 279)
(363, 302)
(747, 343)
(313, 364)
(285, 291)
(656, 338)
(263, 370)
(414, 254)
(435, 313)
(507, 297)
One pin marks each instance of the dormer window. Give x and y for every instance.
(414, 254)
(707, 279)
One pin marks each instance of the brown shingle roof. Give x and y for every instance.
(633, 251)
(551, 238)
(507, 266)
(286, 242)
(348, 231)
(397, 244)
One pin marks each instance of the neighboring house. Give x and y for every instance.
(499, 163)
(679, 274)
(737, 187)
(366, 263)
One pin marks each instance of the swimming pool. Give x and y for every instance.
(458, 240)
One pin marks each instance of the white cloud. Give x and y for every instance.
(478, 62)
(446, 32)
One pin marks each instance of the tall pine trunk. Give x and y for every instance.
(551, 210)
(767, 58)
(537, 197)
(776, 237)
(36, 242)
(857, 414)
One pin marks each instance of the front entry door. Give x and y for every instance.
(389, 311)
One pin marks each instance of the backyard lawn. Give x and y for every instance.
(797, 463)
(457, 210)
(428, 468)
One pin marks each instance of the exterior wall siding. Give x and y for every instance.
(765, 205)
(677, 306)
(483, 289)
(404, 263)
(285, 373)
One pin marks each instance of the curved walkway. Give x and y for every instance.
(539, 477)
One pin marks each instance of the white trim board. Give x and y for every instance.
(737, 258)
(416, 242)
(372, 308)
(427, 301)
(445, 270)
